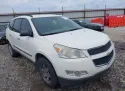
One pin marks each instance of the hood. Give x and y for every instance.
(81, 39)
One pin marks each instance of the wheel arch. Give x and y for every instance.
(7, 41)
(38, 55)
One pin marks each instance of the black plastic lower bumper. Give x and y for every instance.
(68, 83)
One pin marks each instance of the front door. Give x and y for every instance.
(26, 42)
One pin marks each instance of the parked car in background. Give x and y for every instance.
(3, 34)
(63, 52)
(87, 24)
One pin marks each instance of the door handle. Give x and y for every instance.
(18, 38)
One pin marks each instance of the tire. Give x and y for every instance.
(47, 71)
(12, 52)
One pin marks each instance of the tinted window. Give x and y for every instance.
(25, 25)
(11, 24)
(17, 25)
(53, 25)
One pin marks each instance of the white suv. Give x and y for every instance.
(64, 52)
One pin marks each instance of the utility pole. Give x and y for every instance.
(13, 12)
(97, 6)
(84, 12)
(105, 15)
(62, 10)
(84, 7)
(105, 6)
(105, 10)
(39, 9)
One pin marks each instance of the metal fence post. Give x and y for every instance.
(105, 15)
(124, 11)
(84, 12)
(105, 11)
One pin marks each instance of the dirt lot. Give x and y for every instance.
(18, 74)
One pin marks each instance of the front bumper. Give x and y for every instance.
(68, 82)
(82, 64)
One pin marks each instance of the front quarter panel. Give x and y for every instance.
(45, 48)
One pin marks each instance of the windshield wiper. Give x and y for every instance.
(61, 32)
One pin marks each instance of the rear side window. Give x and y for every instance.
(17, 24)
(11, 24)
(25, 25)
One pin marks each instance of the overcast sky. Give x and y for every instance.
(51, 5)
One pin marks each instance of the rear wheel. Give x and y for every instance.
(47, 72)
(12, 52)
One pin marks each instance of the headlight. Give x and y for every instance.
(102, 27)
(67, 52)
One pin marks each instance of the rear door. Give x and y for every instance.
(9, 31)
(15, 33)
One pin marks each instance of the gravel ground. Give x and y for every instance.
(18, 74)
(116, 34)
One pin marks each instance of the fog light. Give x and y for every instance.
(76, 73)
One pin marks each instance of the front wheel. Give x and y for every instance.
(47, 72)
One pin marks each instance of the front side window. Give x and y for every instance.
(17, 24)
(25, 25)
(54, 25)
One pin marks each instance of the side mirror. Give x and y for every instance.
(26, 33)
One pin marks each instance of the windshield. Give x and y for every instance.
(54, 25)
(2, 28)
